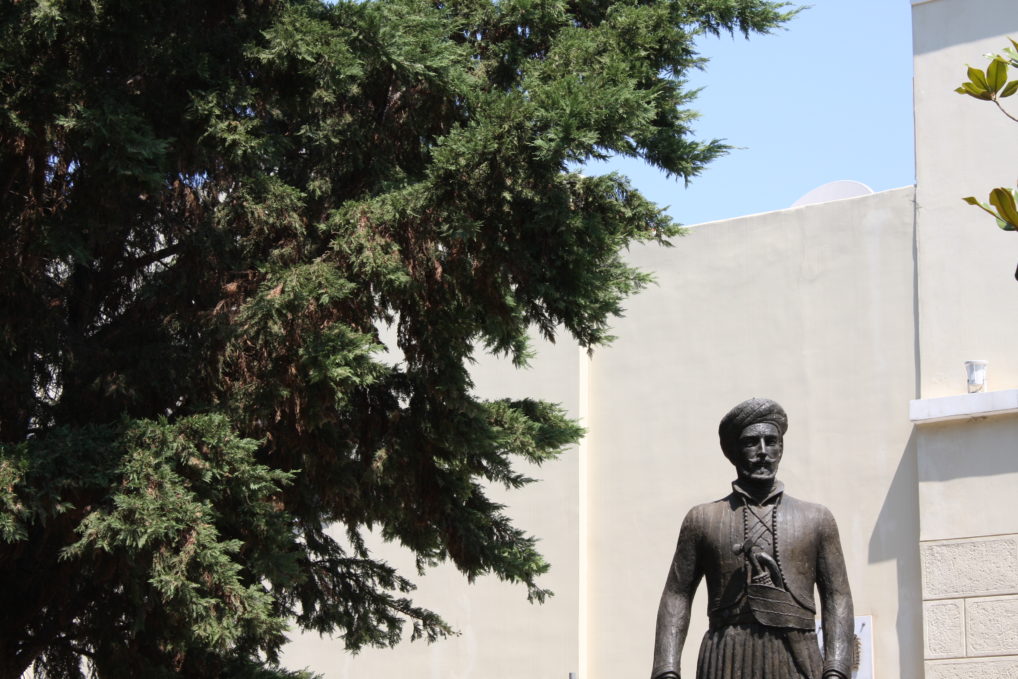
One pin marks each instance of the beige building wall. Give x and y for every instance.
(964, 147)
(968, 473)
(968, 303)
(812, 307)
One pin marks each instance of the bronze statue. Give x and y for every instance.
(761, 551)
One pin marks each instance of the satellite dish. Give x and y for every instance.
(837, 190)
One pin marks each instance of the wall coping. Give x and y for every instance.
(963, 406)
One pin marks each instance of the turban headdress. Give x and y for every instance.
(752, 411)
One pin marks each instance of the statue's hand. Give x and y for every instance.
(670, 674)
(834, 674)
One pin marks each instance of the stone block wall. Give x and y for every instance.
(970, 607)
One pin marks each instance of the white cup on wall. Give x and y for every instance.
(975, 374)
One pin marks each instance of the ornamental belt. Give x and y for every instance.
(767, 605)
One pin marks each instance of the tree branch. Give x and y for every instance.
(1004, 111)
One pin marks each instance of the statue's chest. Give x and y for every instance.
(737, 531)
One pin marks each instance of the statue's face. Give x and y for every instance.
(759, 453)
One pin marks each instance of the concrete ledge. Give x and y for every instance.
(963, 406)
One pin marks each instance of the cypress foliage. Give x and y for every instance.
(208, 210)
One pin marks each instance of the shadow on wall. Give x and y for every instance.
(939, 24)
(954, 450)
(896, 536)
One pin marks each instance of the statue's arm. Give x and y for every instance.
(836, 602)
(673, 612)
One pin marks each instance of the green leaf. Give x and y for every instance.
(1009, 89)
(977, 77)
(985, 207)
(996, 74)
(1004, 200)
(974, 90)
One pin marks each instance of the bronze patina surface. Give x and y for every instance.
(761, 552)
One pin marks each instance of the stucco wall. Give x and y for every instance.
(964, 147)
(968, 475)
(968, 301)
(812, 307)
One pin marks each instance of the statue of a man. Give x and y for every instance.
(761, 552)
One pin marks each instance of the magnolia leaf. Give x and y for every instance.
(996, 74)
(1009, 89)
(976, 91)
(988, 209)
(977, 76)
(1004, 200)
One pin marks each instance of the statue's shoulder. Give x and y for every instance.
(712, 510)
(813, 511)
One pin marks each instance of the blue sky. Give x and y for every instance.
(829, 98)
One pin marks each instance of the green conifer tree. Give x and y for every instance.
(209, 207)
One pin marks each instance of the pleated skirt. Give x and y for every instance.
(753, 651)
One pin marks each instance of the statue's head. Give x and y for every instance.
(752, 438)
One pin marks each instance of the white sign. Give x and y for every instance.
(862, 667)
